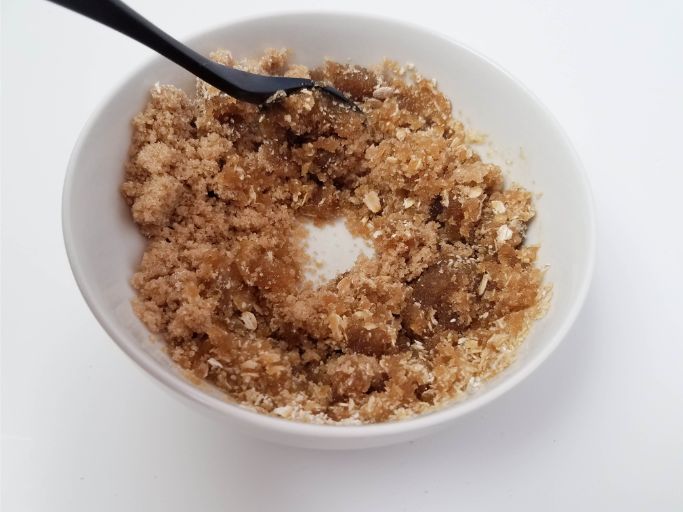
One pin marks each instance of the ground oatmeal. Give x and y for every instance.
(220, 188)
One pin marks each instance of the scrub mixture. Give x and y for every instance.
(221, 190)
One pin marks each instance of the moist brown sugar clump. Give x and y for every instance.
(220, 188)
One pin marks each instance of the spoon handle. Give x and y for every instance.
(117, 15)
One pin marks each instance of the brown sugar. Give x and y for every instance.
(220, 188)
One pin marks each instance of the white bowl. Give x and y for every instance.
(104, 246)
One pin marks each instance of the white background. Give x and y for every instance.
(598, 427)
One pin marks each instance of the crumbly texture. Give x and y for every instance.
(220, 189)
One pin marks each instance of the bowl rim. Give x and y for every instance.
(347, 431)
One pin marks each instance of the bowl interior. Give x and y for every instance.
(104, 246)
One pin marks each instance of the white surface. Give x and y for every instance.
(333, 249)
(598, 426)
(104, 246)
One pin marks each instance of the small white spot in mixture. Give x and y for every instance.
(504, 234)
(498, 207)
(249, 320)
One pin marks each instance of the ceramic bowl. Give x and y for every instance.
(104, 246)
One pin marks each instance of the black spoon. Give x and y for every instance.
(239, 84)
